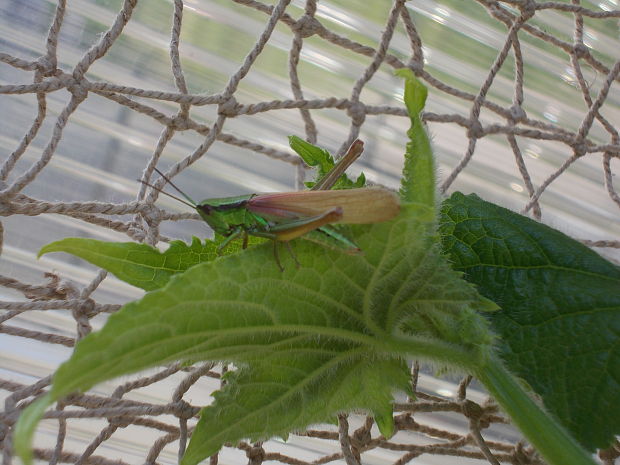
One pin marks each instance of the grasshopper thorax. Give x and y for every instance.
(226, 214)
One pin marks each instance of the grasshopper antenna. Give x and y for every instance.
(166, 193)
(185, 196)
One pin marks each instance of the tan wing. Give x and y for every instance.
(367, 205)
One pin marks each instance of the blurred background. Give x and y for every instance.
(106, 146)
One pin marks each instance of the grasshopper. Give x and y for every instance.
(285, 216)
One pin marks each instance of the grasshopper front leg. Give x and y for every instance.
(285, 232)
(238, 231)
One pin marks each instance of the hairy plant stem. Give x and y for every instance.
(549, 438)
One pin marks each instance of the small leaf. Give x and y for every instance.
(142, 265)
(560, 310)
(312, 155)
(25, 427)
(323, 160)
(294, 387)
(418, 181)
(359, 182)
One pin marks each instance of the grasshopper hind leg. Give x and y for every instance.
(276, 254)
(290, 250)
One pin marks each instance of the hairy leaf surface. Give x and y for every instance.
(319, 336)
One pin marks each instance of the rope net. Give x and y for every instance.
(98, 427)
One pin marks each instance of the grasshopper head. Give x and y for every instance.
(213, 218)
(225, 215)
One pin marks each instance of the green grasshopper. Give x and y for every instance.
(285, 216)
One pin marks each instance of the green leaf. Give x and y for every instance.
(560, 310)
(359, 182)
(288, 391)
(25, 427)
(418, 181)
(312, 155)
(324, 162)
(142, 265)
(305, 335)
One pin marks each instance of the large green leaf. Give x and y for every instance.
(560, 317)
(290, 389)
(142, 265)
(302, 333)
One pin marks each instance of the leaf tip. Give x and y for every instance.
(26, 426)
(487, 305)
(47, 248)
(405, 73)
(415, 92)
(385, 423)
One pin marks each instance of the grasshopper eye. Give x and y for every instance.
(205, 208)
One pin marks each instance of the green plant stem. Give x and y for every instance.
(550, 439)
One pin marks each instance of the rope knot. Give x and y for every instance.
(609, 455)
(151, 214)
(185, 410)
(417, 66)
(55, 289)
(528, 9)
(579, 147)
(119, 422)
(135, 231)
(86, 308)
(256, 454)
(361, 437)
(179, 123)
(307, 26)
(581, 51)
(472, 410)
(475, 130)
(78, 90)
(522, 456)
(517, 114)
(81, 314)
(46, 66)
(5, 206)
(228, 108)
(357, 113)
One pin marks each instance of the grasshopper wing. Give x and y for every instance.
(359, 206)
